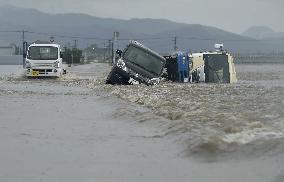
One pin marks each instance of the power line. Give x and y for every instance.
(52, 34)
(130, 38)
(66, 36)
(232, 40)
(11, 31)
(147, 38)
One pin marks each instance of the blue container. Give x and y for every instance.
(182, 67)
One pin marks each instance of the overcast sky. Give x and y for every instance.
(232, 15)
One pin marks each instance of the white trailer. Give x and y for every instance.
(44, 60)
(214, 67)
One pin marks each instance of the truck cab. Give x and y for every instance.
(137, 64)
(44, 60)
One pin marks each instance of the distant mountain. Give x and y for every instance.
(262, 32)
(155, 33)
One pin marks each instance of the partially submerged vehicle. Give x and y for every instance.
(177, 67)
(44, 60)
(137, 64)
(212, 67)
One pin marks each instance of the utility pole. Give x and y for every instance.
(105, 51)
(24, 48)
(115, 35)
(75, 43)
(73, 51)
(109, 48)
(175, 43)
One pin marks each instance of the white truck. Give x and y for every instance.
(44, 60)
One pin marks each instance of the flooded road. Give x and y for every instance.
(248, 116)
(78, 129)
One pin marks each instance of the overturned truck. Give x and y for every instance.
(212, 67)
(137, 64)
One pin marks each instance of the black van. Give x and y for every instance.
(137, 64)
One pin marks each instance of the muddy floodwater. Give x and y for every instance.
(220, 118)
(169, 132)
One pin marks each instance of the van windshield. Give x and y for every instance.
(144, 59)
(43, 53)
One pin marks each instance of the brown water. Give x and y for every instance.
(201, 132)
(246, 118)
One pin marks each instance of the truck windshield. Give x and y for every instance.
(43, 53)
(144, 59)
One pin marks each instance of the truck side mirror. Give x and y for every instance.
(118, 52)
(27, 55)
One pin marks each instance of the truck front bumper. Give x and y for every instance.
(43, 72)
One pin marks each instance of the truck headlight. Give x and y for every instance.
(28, 64)
(120, 63)
(56, 64)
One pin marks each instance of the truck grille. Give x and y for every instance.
(43, 71)
(43, 65)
